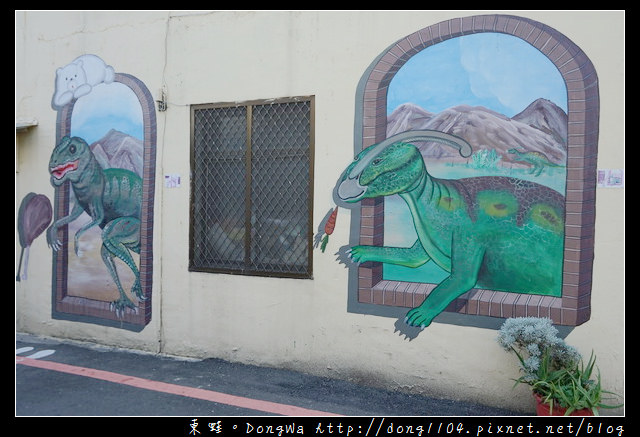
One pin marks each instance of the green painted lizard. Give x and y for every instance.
(112, 197)
(492, 232)
(538, 160)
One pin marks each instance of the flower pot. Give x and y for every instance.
(544, 409)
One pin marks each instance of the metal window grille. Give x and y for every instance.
(251, 188)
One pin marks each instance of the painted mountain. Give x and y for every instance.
(117, 149)
(540, 127)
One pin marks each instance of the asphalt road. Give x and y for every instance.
(60, 378)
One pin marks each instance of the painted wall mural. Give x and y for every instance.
(463, 194)
(102, 169)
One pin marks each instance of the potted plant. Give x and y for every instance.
(561, 382)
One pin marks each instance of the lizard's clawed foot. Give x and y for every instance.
(419, 317)
(119, 306)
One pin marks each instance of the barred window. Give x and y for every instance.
(251, 188)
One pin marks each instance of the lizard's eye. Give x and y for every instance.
(72, 148)
(377, 161)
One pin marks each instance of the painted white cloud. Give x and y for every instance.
(500, 72)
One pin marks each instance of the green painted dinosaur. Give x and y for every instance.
(492, 232)
(112, 197)
(538, 160)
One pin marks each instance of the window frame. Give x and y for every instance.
(371, 292)
(249, 105)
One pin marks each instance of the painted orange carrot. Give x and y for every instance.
(328, 228)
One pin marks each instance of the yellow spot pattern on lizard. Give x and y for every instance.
(547, 217)
(449, 203)
(497, 203)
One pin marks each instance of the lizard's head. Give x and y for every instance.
(389, 170)
(392, 166)
(68, 159)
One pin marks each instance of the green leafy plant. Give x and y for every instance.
(555, 370)
(484, 159)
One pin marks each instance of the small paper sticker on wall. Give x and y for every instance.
(611, 178)
(172, 180)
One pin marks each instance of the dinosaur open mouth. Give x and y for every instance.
(59, 171)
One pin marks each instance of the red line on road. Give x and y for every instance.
(192, 392)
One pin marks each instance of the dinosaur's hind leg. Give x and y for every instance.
(119, 237)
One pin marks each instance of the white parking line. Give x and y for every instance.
(35, 356)
(41, 354)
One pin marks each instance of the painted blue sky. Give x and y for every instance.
(112, 106)
(500, 72)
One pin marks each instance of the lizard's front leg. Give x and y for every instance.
(52, 232)
(464, 275)
(413, 256)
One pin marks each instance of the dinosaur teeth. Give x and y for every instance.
(59, 171)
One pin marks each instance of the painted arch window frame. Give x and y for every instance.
(574, 306)
(76, 308)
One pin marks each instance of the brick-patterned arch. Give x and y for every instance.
(68, 307)
(574, 307)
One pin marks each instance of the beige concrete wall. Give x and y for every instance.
(207, 57)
